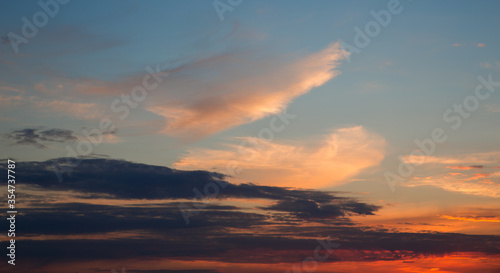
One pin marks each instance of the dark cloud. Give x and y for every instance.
(37, 136)
(247, 248)
(283, 232)
(171, 271)
(127, 180)
(79, 218)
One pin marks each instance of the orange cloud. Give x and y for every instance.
(480, 45)
(493, 219)
(474, 160)
(222, 92)
(458, 262)
(477, 176)
(466, 168)
(454, 174)
(342, 154)
(457, 184)
(467, 183)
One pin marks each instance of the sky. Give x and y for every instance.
(252, 136)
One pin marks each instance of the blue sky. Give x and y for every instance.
(224, 82)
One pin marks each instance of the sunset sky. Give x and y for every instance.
(249, 136)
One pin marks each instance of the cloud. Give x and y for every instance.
(36, 136)
(466, 168)
(476, 184)
(118, 179)
(81, 110)
(218, 93)
(468, 44)
(6, 101)
(205, 96)
(474, 159)
(87, 111)
(310, 209)
(342, 154)
(283, 232)
(493, 219)
(474, 173)
(11, 89)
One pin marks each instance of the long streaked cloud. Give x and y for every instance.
(472, 173)
(340, 155)
(221, 92)
(457, 184)
(467, 159)
(45, 104)
(493, 219)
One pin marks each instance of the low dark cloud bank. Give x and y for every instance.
(218, 232)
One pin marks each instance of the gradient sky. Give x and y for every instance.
(271, 97)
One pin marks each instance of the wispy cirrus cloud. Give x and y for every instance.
(473, 173)
(206, 96)
(473, 159)
(221, 92)
(476, 185)
(342, 154)
(80, 110)
(6, 101)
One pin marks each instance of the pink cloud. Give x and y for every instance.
(223, 92)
